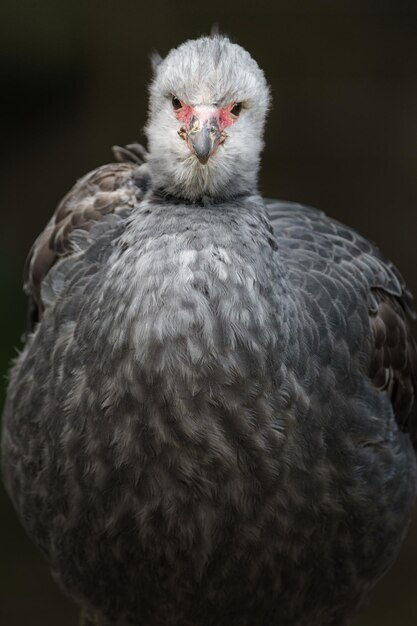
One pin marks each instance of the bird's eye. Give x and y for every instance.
(176, 103)
(236, 109)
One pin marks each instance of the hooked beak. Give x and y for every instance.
(203, 136)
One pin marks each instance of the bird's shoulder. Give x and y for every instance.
(91, 210)
(343, 273)
(313, 241)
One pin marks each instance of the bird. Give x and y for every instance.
(213, 418)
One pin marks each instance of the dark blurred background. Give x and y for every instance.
(342, 135)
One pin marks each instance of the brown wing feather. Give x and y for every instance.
(105, 190)
(394, 362)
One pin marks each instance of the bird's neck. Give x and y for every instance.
(160, 194)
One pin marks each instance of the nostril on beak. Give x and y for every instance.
(182, 133)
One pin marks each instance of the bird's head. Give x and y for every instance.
(208, 104)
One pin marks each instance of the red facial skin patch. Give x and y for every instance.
(224, 116)
(185, 114)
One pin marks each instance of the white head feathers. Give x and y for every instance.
(210, 72)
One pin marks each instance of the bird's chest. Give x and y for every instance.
(189, 375)
(188, 311)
